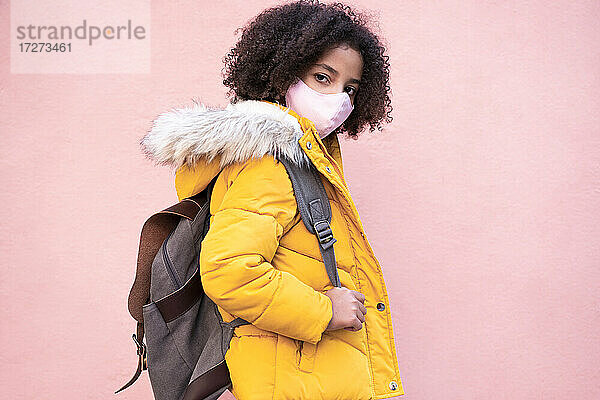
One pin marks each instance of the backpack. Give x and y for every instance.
(186, 338)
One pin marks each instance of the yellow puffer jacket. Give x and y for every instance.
(260, 263)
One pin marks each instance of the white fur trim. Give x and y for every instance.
(246, 129)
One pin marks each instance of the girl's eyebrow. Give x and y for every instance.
(333, 71)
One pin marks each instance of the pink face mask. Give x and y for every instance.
(326, 111)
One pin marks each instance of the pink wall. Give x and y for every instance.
(481, 199)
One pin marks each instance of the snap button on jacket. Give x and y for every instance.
(259, 262)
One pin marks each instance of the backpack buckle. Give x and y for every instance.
(324, 233)
(141, 352)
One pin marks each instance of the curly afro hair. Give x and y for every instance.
(283, 42)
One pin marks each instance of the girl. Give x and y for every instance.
(301, 74)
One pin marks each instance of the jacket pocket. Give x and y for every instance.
(305, 355)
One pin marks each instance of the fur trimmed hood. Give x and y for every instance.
(238, 132)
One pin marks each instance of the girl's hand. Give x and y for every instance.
(348, 309)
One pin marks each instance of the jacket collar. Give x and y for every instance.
(236, 133)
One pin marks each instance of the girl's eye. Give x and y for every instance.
(323, 76)
(353, 90)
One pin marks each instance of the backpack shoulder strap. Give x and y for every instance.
(314, 207)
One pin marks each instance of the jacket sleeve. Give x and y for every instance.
(236, 254)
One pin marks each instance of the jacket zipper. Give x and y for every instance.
(330, 158)
(169, 265)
